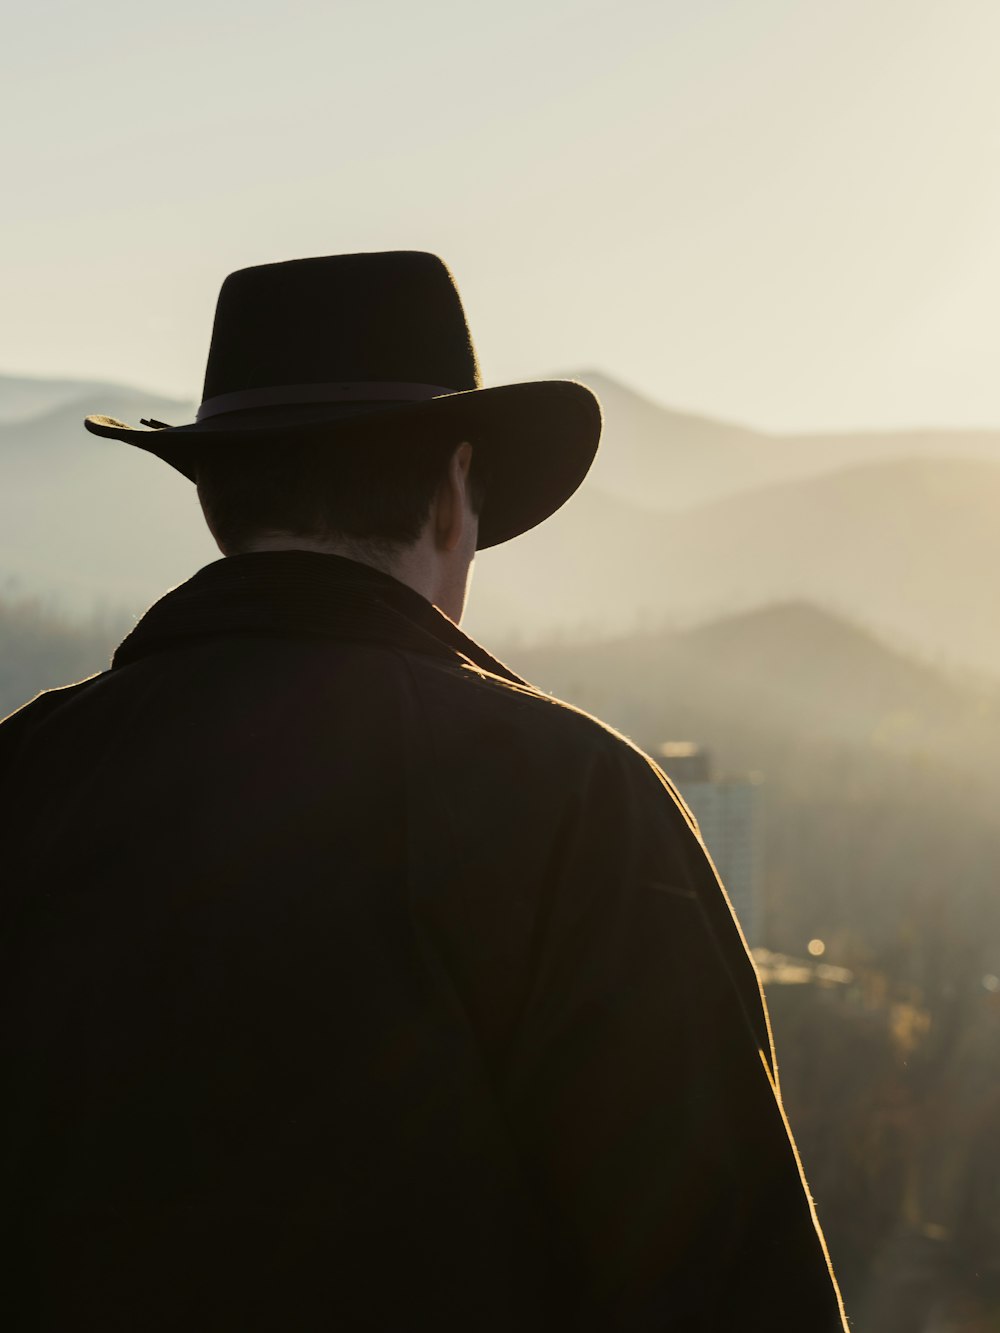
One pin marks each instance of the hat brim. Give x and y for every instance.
(539, 440)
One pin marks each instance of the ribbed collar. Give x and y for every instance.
(302, 593)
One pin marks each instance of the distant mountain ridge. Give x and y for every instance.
(659, 458)
(24, 398)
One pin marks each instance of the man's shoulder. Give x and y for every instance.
(517, 714)
(38, 709)
(467, 687)
(19, 726)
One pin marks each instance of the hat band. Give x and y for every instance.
(288, 395)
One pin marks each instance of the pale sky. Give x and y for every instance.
(783, 212)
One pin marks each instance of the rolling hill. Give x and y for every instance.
(91, 522)
(785, 674)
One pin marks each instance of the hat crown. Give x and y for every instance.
(392, 316)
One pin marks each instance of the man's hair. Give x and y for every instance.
(378, 495)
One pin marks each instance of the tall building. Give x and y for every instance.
(728, 813)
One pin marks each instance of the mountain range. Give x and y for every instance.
(909, 547)
(683, 519)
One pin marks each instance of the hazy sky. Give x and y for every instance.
(781, 211)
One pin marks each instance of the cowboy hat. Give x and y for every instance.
(370, 347)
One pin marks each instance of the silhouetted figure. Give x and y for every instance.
(347, 981)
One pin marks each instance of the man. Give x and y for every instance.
(348, 982)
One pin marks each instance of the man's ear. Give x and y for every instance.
(452, 510)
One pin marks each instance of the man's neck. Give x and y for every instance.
(418, 565)
(384, 558)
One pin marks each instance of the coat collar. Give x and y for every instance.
(302, 593)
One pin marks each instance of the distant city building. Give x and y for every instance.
(728, 814)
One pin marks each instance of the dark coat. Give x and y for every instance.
(350, 983)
